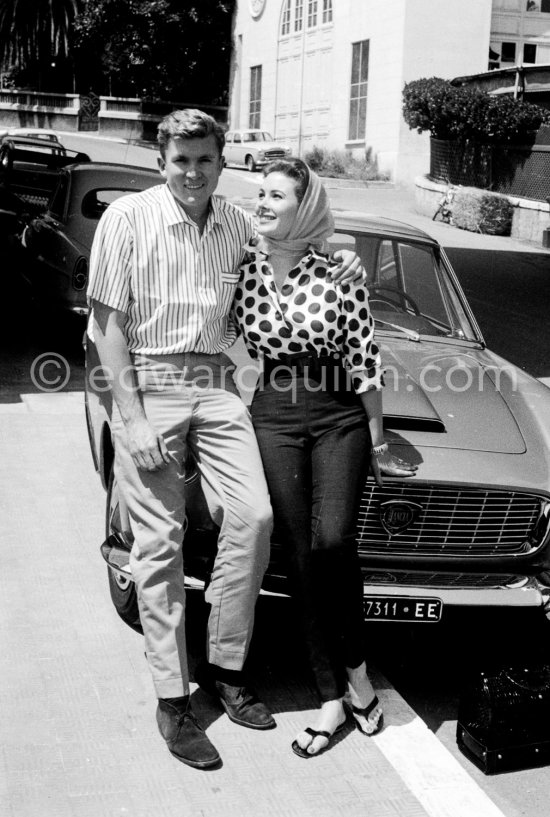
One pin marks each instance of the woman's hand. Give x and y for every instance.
(348, 267)
(389, 465)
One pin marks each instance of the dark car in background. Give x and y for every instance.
(59, 240)
(472, 528)
(30, 167)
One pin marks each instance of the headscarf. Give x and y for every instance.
(312, 226)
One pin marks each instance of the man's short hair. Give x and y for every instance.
(189, 123)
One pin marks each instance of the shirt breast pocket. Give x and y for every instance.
(229, 285)
(231, 277)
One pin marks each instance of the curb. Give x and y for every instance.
(329, 181)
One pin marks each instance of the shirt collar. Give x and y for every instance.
(175, 214)
(252, 247)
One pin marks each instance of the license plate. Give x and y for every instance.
(402, 608)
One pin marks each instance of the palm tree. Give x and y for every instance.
(35, 32)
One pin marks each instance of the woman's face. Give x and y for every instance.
(277, 206)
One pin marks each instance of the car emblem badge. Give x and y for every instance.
(397, 515)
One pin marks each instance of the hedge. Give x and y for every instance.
(482, 212)
(454, 112)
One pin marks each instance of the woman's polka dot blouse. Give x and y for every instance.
(308, 315)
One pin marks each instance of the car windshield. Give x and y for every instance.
(257, 136)
(411, 289)
(36, 146)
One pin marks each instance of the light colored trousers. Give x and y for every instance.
(192, 401)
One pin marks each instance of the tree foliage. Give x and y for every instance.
(31, 27)
(35, 35)
(161, 49)
(455, 112)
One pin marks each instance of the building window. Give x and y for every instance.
(311, 13)
(299, 15)
(539, 5)
(255, 109)
(529, 53)
(285, 20)
(327, 11)
(508, 52)
(358, 95)
(501, 55)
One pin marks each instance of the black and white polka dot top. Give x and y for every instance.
(308, 315)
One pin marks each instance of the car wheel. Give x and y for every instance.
(250, 163)
(122, 589)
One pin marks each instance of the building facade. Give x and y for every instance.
(330, 73)
(520, 33)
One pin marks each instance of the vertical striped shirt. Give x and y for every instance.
(175, 285)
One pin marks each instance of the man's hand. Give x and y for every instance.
(147, 448)
(349, 267)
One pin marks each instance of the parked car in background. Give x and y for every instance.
(472, 528)
(33, 133)
(59, 240)
(253, 148)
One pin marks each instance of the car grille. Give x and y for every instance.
(449, 521)
(276, 153)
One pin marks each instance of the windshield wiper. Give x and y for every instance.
(409, 333)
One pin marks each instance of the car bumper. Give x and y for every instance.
(452, 590)
(524, 591)
(455, 590)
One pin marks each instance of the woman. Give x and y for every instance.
(317, 413)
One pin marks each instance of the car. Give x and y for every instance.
(34, 133)
(58, 240)
(253, 148)
(472, 527)
(29, 168)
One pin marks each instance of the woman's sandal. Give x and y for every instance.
(297, 749)
(374, 724)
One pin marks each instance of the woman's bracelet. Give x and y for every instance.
(378, 450)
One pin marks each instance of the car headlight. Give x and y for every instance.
(288, 151)
(261, 154)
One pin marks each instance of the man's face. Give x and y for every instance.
(192, 168)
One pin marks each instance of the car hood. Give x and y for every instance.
(455, 398)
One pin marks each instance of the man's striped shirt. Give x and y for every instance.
(176, 287)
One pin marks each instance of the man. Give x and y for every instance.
(163, 270)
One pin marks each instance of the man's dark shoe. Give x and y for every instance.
(241, 703)
(184, 736)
